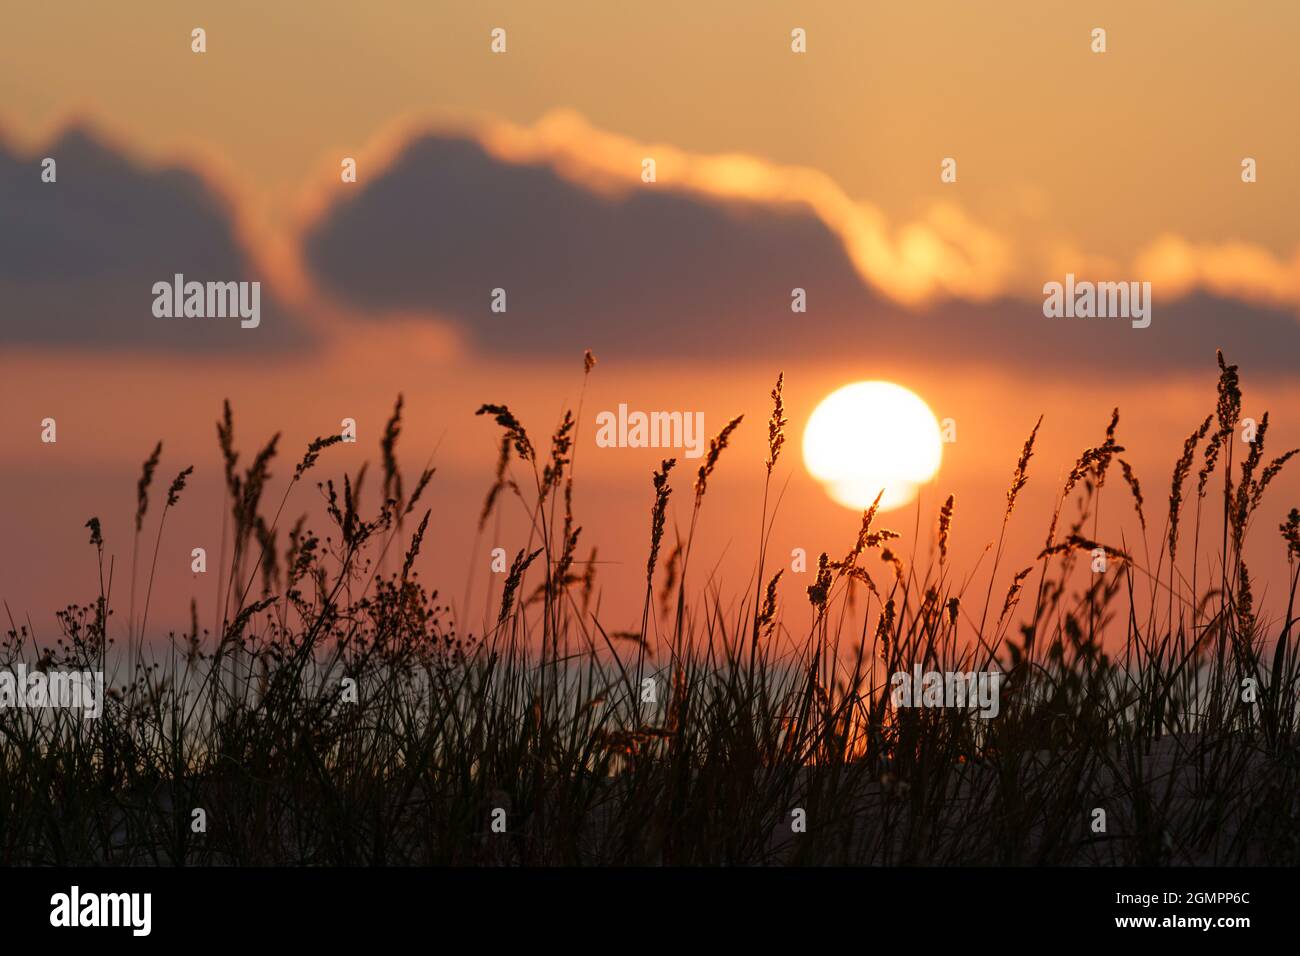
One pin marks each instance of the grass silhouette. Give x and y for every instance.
(691, 743)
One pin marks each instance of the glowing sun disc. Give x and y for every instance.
(871, 438)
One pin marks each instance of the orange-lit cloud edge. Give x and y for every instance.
(943, 255)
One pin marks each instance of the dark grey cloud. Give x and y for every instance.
(671, 274)
(654, 270)
(79, 257)
(1182, 336)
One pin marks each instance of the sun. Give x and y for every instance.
(872, 437)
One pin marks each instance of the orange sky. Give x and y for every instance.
(1124, 165)
(1041, 126)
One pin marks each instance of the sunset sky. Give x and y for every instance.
(523, 170)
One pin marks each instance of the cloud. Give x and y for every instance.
(1183, 335)
(1238, 269)
(496, 191)
(701, 264)
(447, 223)
(942, 254)
(79, 257)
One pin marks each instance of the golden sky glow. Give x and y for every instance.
(1039, 126)
(1126, 164)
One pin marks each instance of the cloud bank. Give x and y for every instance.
(702, 263)
(79, 256)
